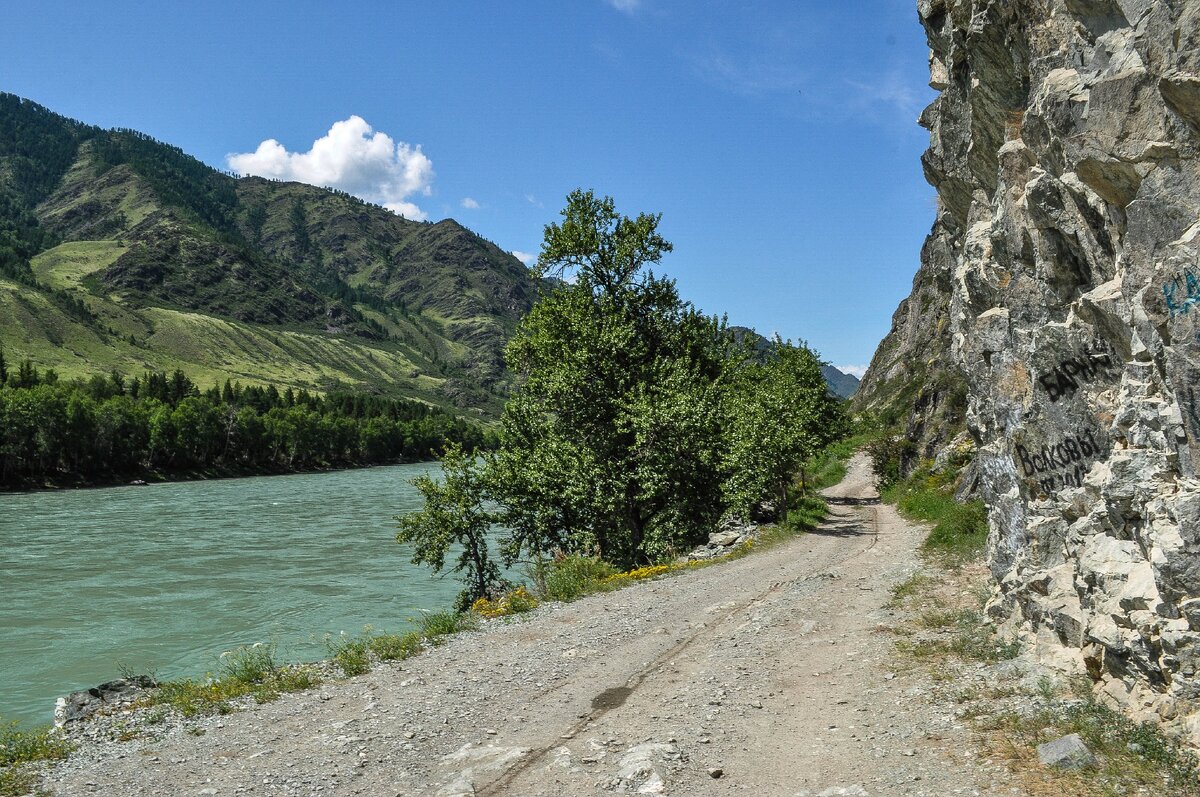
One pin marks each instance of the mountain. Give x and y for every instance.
(842, 385)
(120, 252)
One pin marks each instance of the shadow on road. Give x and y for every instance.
(841, 527)
(843, 501)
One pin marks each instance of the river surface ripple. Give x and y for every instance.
(164, 578)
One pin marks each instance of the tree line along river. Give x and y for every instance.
(164, 578)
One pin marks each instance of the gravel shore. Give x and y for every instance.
(768, 675)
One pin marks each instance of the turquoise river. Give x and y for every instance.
(164, 578)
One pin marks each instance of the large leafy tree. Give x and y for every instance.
(611, 442)
(637, 421)
(780, 414)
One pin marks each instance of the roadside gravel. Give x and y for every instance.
(768, 675)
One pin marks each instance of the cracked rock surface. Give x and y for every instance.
(1064, 269)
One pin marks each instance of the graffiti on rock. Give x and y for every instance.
(1064, 379)
(1181, 293)
(1051, 468)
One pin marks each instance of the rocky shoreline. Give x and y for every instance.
(764, 674)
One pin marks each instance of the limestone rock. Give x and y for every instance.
(1059, 291)
(84, 703)
(723, 538)
(1066, 752)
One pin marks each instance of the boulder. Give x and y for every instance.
(1066, 752)
(84, 703)
(722, 539)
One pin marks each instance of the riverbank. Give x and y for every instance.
(163, 579)
(765, 674)
(142, 478)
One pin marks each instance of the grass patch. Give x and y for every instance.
(959, 532)
(352, 654)
(806, 513)
(912, 587)
(568, 578)
(252, 664)
(19, 749)
(437, 625)
(828, 467)
(396, 647)
(1131, 758)
(966, 637)
(355, 655)
(247, 671)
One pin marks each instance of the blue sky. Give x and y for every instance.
(778, 139)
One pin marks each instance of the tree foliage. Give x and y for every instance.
(781, 414)
(108, 426)
(637, 422)
(454, 517)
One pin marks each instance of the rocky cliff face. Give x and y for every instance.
(1064, 151)
(912, 385)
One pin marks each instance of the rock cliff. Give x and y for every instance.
(1066, 258)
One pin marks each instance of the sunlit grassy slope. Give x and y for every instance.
(67, 264)
(209, 349)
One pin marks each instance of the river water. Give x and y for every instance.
(164, 578)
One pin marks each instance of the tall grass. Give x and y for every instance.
(960, 529)
(19, 749)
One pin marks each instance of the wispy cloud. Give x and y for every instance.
(524, 257)
(887, 94)
(625, 6)
(853, 370)
(531, 199)
(748, 77)
(352, 157)
(469, 204)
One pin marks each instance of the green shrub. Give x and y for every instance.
(891, 456)
(23, 747)
(395, 647)
(571, 577)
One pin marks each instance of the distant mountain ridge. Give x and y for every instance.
(121, 252)
(842, 384)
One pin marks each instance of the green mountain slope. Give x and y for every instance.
(842, 384)
(118, 251)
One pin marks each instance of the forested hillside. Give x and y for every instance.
(107, 429)
(120, 252)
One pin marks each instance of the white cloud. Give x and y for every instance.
(760, 75)
(524, 257)
(628, 6)
(352, 157)
(853, 370)
(892, 91)
(531, 199)
(469, 204)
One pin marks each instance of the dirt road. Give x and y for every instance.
(769, 675)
